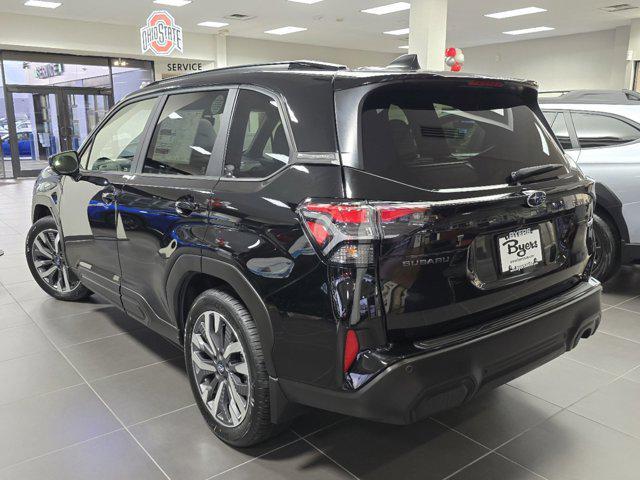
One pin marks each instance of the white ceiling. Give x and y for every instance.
(339, 23)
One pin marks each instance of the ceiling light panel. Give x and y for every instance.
(42, 4)
(285, 30)
(525, 31)
(402, 31)
(619, 7)
(213, 24)
(515, 13)
(173, 3)
(385, 9)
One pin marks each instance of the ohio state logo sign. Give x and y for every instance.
(161, 35)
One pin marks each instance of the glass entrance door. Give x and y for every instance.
(48, 120)
(83, 113)
(33, 135)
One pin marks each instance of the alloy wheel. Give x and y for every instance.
(220, 368)
(46, 253)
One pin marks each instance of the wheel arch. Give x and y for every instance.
(40, 211)
(192, 275)
(609, 205)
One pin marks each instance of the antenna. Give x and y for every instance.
(408, 61)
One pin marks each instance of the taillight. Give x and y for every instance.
(351, 349)
(319, 233)
(345, 232)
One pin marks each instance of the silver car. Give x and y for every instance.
(600, 130)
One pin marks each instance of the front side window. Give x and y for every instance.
(595, 130)
(452, 137)
(258, 144)
(186, 134)
(116, 143)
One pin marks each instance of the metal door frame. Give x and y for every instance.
(64, 122)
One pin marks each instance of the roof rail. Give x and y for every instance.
(290, 64)
(315, 65)
(611, 97)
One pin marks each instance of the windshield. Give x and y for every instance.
(453, 137)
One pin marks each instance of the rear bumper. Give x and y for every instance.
(451, 371)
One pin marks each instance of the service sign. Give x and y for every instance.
(161, 35)
(49, 70)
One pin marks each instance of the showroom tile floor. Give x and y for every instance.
(86, 392)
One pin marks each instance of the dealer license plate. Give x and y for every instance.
(520, 249)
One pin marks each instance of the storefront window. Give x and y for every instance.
(62, 74)
(129, 76)
(53, 103)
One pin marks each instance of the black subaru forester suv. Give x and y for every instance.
(384, 243)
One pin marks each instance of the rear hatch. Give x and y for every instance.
(467, 241)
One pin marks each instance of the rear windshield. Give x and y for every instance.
(453, 137)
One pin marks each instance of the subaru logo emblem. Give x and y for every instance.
(535, 198)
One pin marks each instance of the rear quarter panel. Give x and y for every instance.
(253, 226)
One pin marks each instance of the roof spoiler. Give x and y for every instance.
(408, 61)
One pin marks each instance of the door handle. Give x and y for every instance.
(185, 208)
(108, 197)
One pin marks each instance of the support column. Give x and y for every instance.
(221, 49)
(633, 53)
(428, 35)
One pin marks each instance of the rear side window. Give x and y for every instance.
(595, 130)
(451, 137)
(258, 143)
(186, 134)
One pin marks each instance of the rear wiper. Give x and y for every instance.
(527, 172)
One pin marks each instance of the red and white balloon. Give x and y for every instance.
(454, 58)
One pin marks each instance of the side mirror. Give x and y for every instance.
(65, 163)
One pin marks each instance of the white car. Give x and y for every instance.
(600, 130)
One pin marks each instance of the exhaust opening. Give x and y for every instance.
(587, 333)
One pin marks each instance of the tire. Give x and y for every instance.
(220, 373)
(43, 255)
(607, 249)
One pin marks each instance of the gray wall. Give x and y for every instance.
(585, 60)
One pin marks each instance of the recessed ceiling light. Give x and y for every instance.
(308, 2)
(620, 7)
(391, 8)
(173, 3)
(524, 31)
(285, 30)
(213, 24)
(240, 16)
(515, 13)
(42, 4)
(404, 47)
(402, 31)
